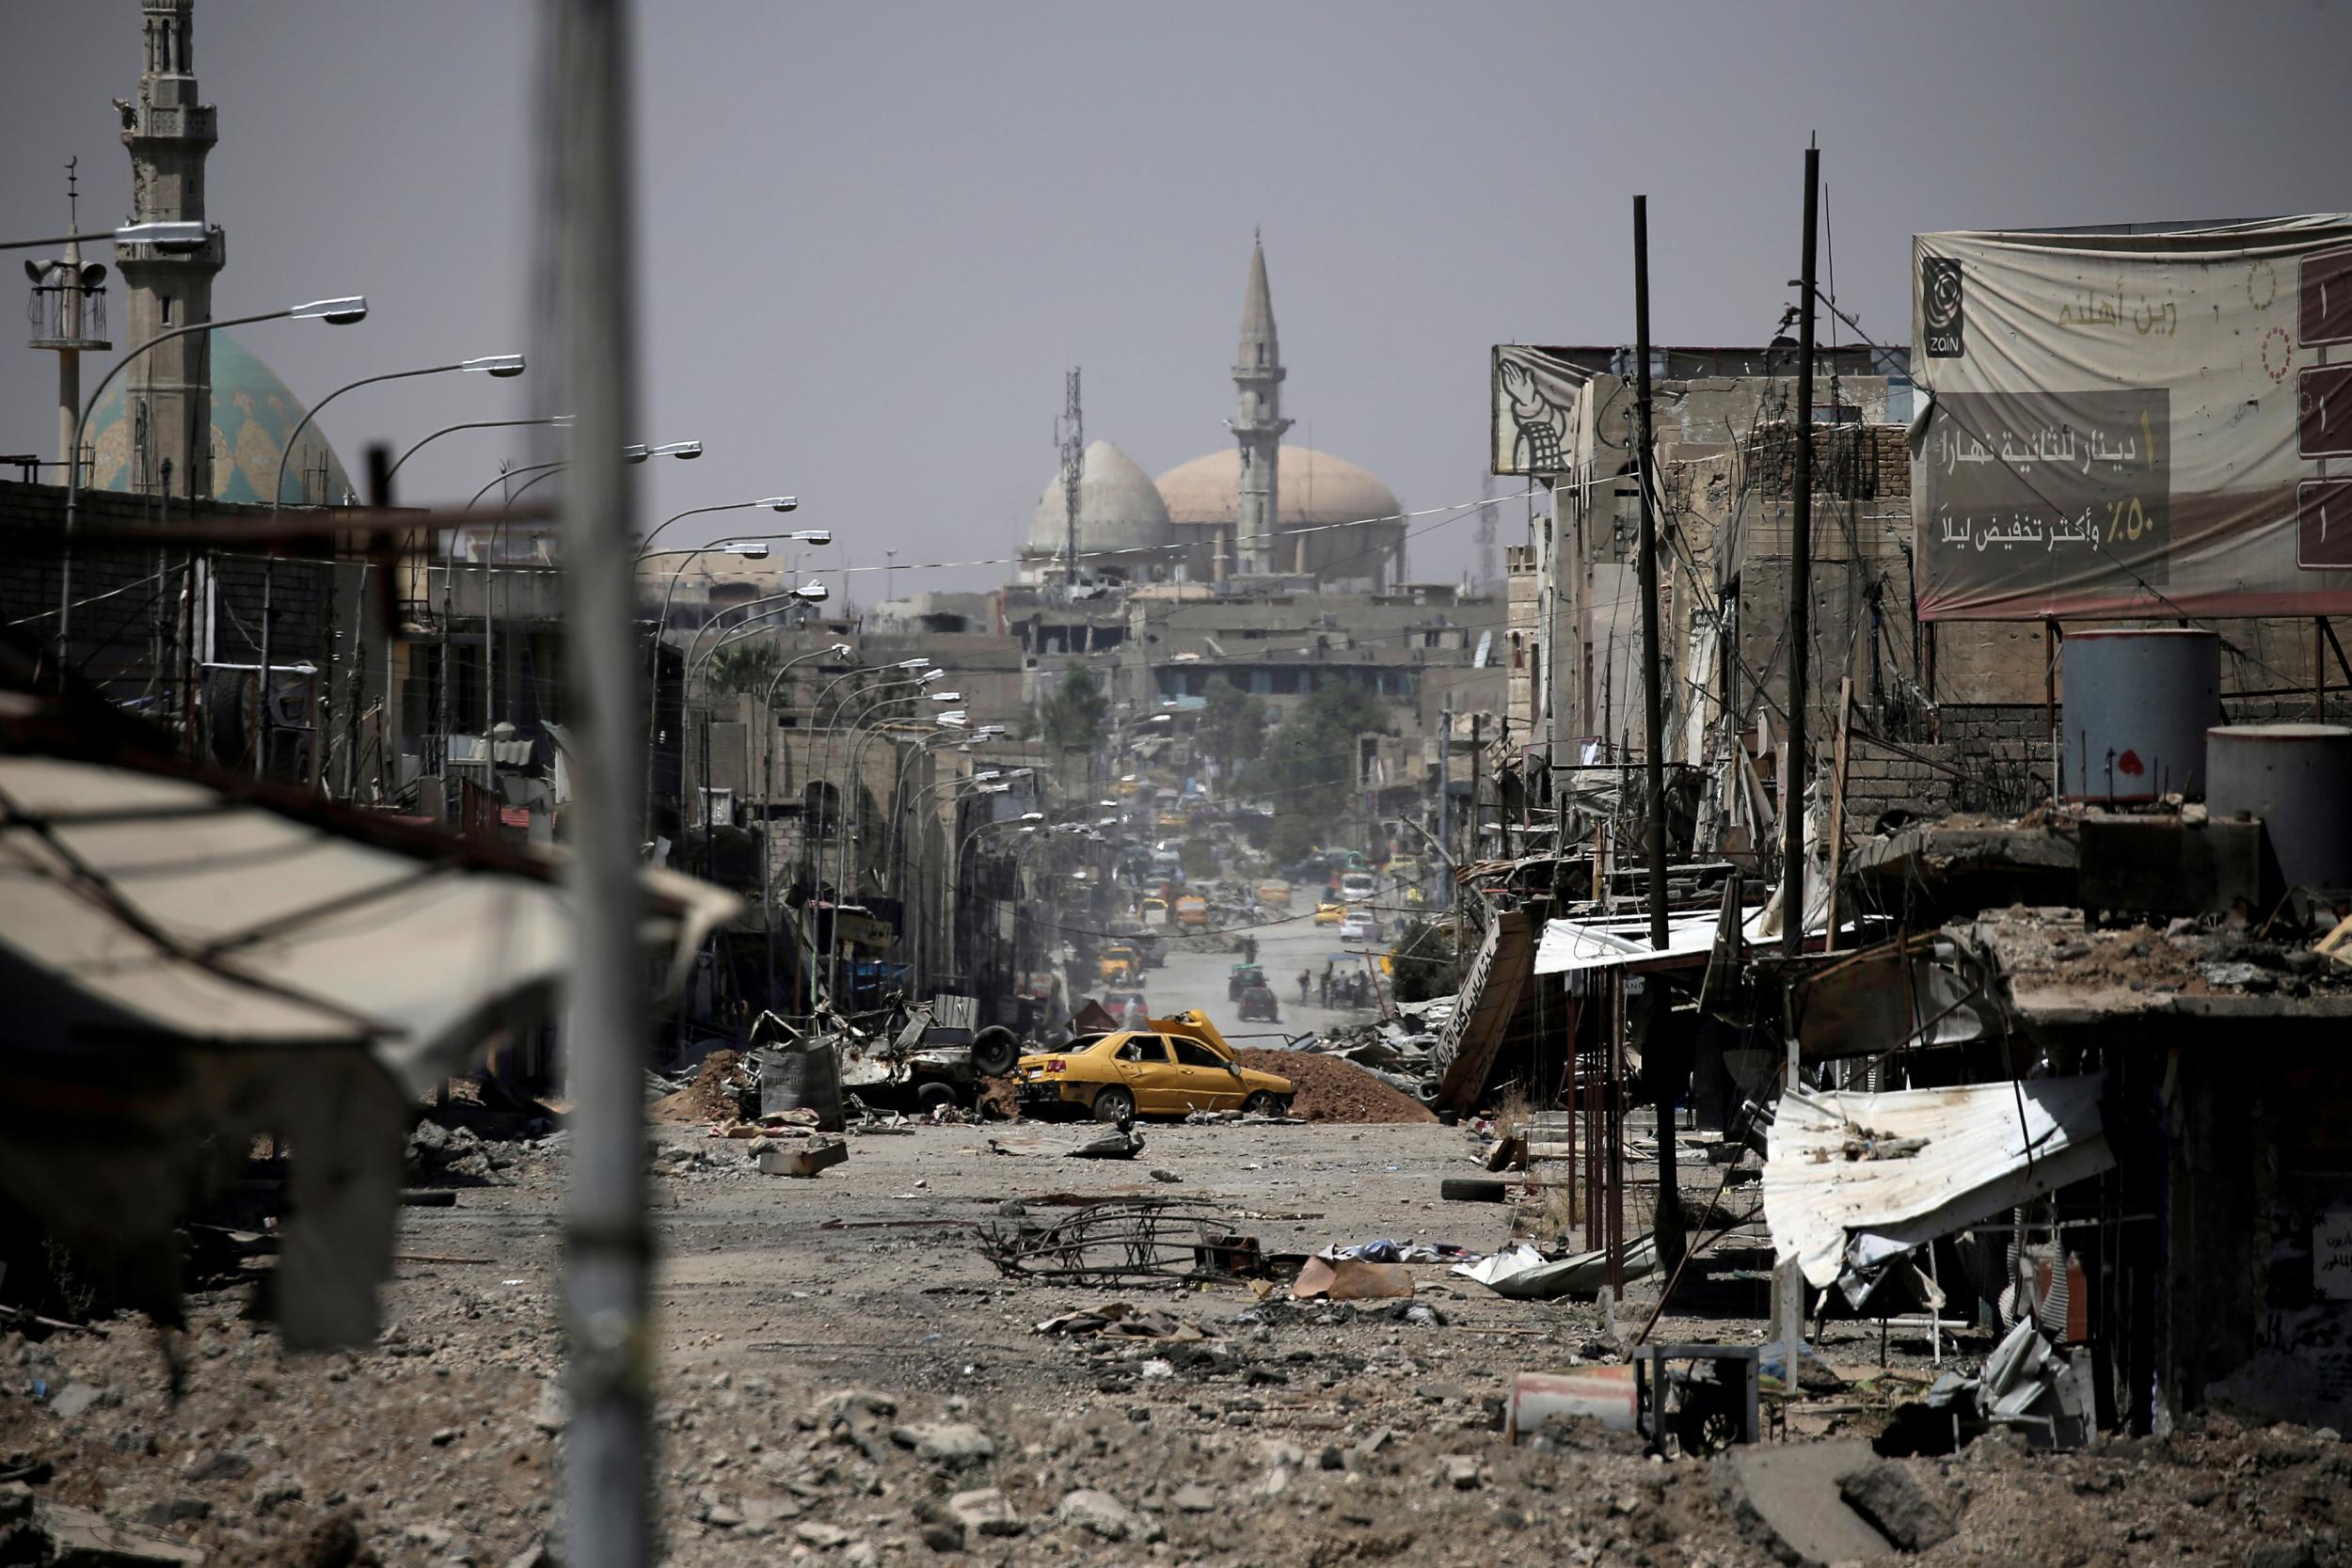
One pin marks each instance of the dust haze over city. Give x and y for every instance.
(1217, 783)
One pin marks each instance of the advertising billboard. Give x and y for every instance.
(2128, 423)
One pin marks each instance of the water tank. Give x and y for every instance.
(2138, 702)
(2297, 779)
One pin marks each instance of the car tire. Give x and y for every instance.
(1261, 1104)
(1113, 1103)
(994, 1050)
(930, 1096)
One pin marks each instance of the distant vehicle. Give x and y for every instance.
(1241, 978)
(1180, 1066)
(1152, 910)
(1275, 893)
(1258, 1005)
(1355, 886)
(1405, 869)
(1119, 963)
(1192, 911)
(1330, 914)
(1359, 926)
(1415, 899)
(1128, 1006)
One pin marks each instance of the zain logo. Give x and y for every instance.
(1940, 306)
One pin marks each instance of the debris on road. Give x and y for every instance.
(804, 1160)
(1121, 1240)
(1351, 1279)
(1330, 1088)
(1119, 1320)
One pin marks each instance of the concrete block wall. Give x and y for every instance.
(124, 594)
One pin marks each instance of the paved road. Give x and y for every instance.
(1285, 947)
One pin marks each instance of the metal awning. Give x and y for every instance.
(192, 960)
(1852, 1181)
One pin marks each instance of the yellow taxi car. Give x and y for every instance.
(1175, 1067)
(1330, 914)
(1152, 911)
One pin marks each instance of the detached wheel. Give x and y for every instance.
(1113, 1103)
(930, 1096)
(994, 1050)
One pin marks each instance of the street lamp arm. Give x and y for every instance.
(81, 423)
(540, 470)
(560, 421)
(285, 454)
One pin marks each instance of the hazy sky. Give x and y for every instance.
(875, 235)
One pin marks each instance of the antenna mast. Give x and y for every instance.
(1073, 456)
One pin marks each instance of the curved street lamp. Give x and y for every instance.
(502, 367)
(653, 652)
(334, 312)
(767, 788)
(556, 422)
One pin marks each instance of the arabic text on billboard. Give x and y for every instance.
(2135, 425)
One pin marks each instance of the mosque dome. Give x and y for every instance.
(1118, 508)
(252, 413)
(1315, 489)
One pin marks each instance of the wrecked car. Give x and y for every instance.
(1172, 1067)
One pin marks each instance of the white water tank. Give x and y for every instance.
(2139, 701)
(2297, 779)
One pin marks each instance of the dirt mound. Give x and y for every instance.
(708, 1097)
(1333, 1088)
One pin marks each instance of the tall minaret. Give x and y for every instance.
(1258, 376)
(171, 392)
(69, 317)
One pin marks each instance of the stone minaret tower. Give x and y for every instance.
(171, 392)
(1258, 376)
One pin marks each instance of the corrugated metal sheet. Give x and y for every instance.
(1981, 1148)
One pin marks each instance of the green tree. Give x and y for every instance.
(1230, 729)
(1308, 769)
(1072, 716)
(1426, 962)
(745, 665)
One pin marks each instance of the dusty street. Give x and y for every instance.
(842, 1371)
(1197, 969)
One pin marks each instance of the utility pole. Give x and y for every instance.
(608, 1254)
(1787, 1283)
(1667, 1220)
(1653, 667)
(1445, 797)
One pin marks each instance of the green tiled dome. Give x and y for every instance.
(252, 411)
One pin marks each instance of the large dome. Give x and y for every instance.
(252, 412)
(1315, 489)
(1118, 508)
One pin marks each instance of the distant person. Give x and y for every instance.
(1326, 989)
(1304, 981)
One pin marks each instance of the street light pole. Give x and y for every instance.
(502, 367)
(645, 552)
(768, 787)
(336, 313)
